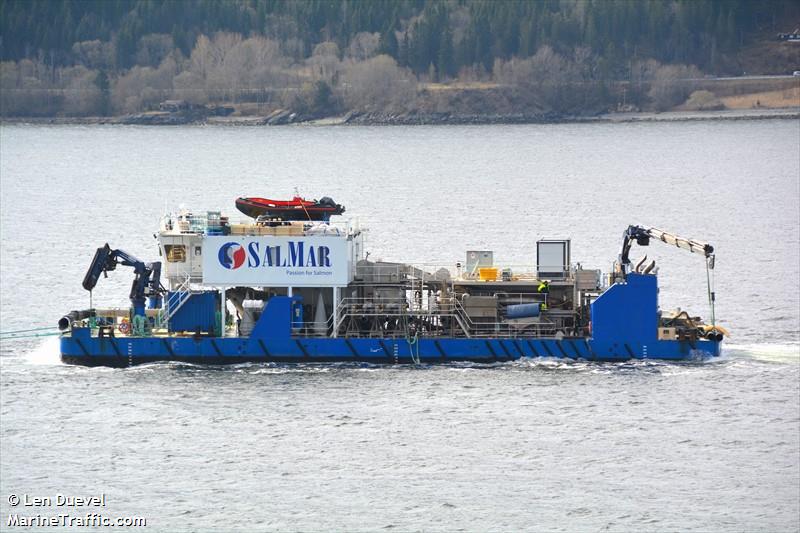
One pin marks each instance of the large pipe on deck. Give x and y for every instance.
(523, 310)
(73, 316)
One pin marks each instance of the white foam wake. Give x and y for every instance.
(46, 353)
(786, 353)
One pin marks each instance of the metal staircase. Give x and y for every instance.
(173, 304)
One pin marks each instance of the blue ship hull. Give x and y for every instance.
(81, 348)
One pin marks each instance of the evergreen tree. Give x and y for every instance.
(125, 47)
(483, 42)
(105, 92)
(445, 61)
(527, 37)
(402, 53)
(388, 43)
(701, 32)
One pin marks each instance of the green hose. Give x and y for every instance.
(412, 342)
(139, 325)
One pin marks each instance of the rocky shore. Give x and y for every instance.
(684, 116)
(284, 117)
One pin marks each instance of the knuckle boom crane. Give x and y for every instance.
(146, 284)
(642, 236)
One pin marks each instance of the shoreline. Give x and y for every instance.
(416, 119)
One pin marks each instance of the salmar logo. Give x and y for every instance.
(290, 254)
(231, 255)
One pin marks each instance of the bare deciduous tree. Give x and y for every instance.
(324, 64)
(94, 54)
(363, 46)
(378, 84)
(82, 96)
(190, 87)
(232, 69)
(672, 84)
(143, 87)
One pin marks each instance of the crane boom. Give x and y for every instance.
(696, 247)
(642, 236)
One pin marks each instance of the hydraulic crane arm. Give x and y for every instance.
(147, 282)
(643, 235)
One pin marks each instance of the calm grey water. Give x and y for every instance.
(533, 445)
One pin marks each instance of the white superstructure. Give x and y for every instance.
(207, 249)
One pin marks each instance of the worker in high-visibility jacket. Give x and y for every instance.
(544, 287)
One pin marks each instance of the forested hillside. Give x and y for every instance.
(84, 57)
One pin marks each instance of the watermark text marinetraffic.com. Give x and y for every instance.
(66, 511)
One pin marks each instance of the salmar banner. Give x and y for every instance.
(240, 260)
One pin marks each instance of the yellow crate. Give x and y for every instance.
(488, 273)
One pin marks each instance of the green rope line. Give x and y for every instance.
(10, 337)
(27, 330)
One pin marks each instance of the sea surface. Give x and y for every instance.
(541, 445)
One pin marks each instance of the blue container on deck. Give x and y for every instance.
(523, 310)
(197, 312)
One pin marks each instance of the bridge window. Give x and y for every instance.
(176, 253)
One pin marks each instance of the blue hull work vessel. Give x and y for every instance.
(239, 293)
